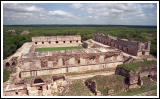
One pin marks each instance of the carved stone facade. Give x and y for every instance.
(128, 46)
(56, 41)
(55, 62)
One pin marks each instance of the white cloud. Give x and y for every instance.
(21, 11)
(115, 13)
(60, 13)
(83, 13)
(76, 5)
(18, 7)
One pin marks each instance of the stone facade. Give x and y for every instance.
(128, 46)
(46, 63)
(56, 41)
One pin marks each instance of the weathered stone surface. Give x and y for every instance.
(135, 78)
(37, 87)
(56, 41)
(110, 92)
(128, 46)
(134, 86)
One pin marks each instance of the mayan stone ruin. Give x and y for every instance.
(102, 52)
(128, 46)
(56, 41)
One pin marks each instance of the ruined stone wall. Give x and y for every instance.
(51, 71)
(134, 79)
(37, 87)
(56, 64)
(128, 46)
(56, 41)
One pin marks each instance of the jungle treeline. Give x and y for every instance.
(14, 40)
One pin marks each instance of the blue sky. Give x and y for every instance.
(80, 13)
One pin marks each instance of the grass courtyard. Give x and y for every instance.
(57, 48)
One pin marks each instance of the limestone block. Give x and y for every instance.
(92, 61)
(33, 92)
(64, 83)
(38, 64)
(25, 74)
(26, 65)
(83, 68)
(54, 87)
(82, 61)
(73, 69)
(120, 58)
(133, 79)
(110, 92)
(50, 64)
(47, 92)
(133, 86)
(139, 53)
(72, 61)
(60, 62)
(101, 59)
(144, 73)
(146, 53)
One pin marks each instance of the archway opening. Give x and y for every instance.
(14, 63)
(149, 76)
(7, 64)
(38, 80)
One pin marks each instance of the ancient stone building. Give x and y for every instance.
(29, 63)
(55, 62)
(134, 79)
(36, 87)
(128, 46)
(56, 41)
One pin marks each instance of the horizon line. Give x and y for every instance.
(81, 24)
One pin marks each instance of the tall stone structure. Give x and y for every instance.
(126, 45)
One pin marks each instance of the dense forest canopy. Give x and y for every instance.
(14, 40)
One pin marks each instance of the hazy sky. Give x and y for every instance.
(80, 13)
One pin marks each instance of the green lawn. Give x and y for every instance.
(57, 48)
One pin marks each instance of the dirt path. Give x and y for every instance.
(83, 76)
